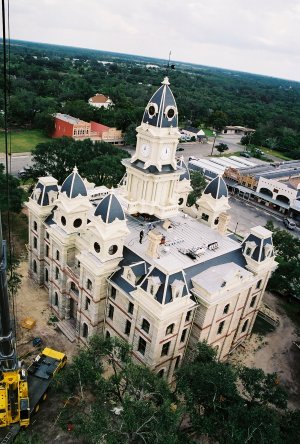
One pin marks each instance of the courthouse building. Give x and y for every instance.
(131, 263)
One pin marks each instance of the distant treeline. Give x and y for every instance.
(45, 79)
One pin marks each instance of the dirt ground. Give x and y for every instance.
(33, 301)
(275, 352)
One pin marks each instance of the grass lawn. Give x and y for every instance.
(275, 153)
(22, 141)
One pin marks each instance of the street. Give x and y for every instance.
(245, 216)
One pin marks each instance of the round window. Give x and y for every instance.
(171, 113)
(63, 220)
(216, 221)
(151, 110)
(113, 249)
(77, 223)
(97, 247)
(180, 201)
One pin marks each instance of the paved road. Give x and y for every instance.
(17, 162)
(244, 216)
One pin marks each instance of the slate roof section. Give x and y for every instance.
(217, 188)
(43, 199)
(259, 251)
(110, 209)
(185, 174)
(73, 185)
(162, 99)
(152, 169)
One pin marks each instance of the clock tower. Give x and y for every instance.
(152, 172)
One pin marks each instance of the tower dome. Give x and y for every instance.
(110, 209)
(185, 171)
(217, 188)
(74, 186)
(161, 110)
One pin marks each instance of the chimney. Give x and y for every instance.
(224, 219)
(154, 239)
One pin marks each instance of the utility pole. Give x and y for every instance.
(215, 135)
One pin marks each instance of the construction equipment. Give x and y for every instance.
(21, 391)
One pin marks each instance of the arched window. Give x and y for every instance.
(46, 275)
(56, 299)
(226, 308)
(107, 335)
(245, 325)
(170, 329)
(34, 266)
(85, 330)
(161, 372)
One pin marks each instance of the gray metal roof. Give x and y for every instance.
(74, 186)
(110, 209)
(43, 199)
(162, 101)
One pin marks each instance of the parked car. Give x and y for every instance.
(289, 223)
(244, 154)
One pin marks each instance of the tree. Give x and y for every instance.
(221, 147)
(13, 200)
(285, 279)
(133, 405)
(198, 184)
(98, 162)
(234, 405)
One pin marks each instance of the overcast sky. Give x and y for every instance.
(259, 36)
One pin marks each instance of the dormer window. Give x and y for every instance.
(249, 248)
(153, 285)
(152, 109)
(177, 289)
(36, 194)
(170, 112)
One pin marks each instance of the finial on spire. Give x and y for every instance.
(75, 169)
(165, 81)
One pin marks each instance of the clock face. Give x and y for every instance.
(165, 152)
(145, 150)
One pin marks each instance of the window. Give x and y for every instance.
(89, 284)
(245, 325)
(57, 274)
(46, 275)
(77, 223)
(220, 327)
(57, 255)
(47, 251)
(253, 300)
(47, 235)
(145, 325)
(111, 312)
(74, 288)
(183, 335)
(165, 349)
(34, 266)
(188, 316)
(204, 217)
(112, 249)
(63, 221)
(180, 201)
(161, 372)
(151, 289)
(85, 330)
(87, 303)
(258, 284)
(130, 308)
(177, 362)
(56, 299)
(34, 242)
(113, 292)
(107, 335)
(248, 251)
(226, 309)
(127, 328)
(35, 226)
(142, 345)
(97, 247)
(170, 329)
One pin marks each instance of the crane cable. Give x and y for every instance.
(6, 73)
